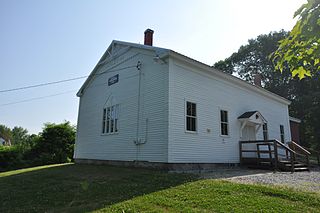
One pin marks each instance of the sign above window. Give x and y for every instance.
(114, 79)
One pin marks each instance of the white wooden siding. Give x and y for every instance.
(212, 94)
(91, 144)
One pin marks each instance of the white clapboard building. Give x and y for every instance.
(155, 107)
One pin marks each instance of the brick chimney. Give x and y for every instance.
(148, 37)
(257, 80)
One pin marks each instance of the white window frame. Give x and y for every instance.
(224, 122)
(186, 117)
(110, 120)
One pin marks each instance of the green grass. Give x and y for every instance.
(83, 188)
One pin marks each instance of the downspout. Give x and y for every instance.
(138, 141)
(139, 95)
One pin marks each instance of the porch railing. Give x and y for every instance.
(315, 155)
(276, 151)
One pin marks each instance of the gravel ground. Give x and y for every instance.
(307, 181)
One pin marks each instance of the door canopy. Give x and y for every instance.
(252, 118)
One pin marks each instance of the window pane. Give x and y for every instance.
(116, 125)
(224, 129)
(188, 120)
(104, 121)
(224, 116)
(282, 133)
(193, 124)
(193, 109)
(111, 126)
(188, 108)
(108, 120)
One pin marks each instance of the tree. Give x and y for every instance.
(300, 50)
(56, 143)
(19, 135)
(253, 58)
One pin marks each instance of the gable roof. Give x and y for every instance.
(247, 114)
(253, 117)
(163, 53)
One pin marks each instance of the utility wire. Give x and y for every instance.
(43, 84)
(37, 98)
(61, 81)
(57, 94)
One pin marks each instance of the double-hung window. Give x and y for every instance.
(110, 119)
(282, 133)
(191, 116)
(224, 122)
(265, 131)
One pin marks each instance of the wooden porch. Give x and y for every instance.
(272, 154)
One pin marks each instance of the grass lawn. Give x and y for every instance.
(82, 188)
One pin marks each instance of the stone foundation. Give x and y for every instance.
(169, 167)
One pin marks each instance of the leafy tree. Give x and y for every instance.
(253, 58)
(56, 143)
(300, 50)
(19, 135)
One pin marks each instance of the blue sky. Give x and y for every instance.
(44, 41)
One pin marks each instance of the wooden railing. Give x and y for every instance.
(300, 150)
(277, 152)
(312, 153)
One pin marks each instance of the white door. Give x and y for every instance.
(249, 133)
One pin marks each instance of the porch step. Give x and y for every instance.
(301, 169)
(298, 167)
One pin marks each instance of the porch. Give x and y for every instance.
(273, 154)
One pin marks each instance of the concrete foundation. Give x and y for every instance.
(169, 167)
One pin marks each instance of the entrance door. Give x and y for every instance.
(249, 133)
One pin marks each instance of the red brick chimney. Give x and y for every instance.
(148, 37)
(257, 80)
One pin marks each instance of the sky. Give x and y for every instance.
(46, 41)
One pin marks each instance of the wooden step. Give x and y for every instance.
(296, 165)
(301, 169)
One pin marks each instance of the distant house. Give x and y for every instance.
(2, 141)
(158, 107)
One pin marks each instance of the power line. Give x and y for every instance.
(37, 98)
(57, 94)
(62, 81)
(43, 84)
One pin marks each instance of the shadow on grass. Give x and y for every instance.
(79, 188)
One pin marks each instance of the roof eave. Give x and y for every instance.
(229, 77)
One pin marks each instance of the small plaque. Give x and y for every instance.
(114, 79)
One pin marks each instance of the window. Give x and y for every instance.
(265, 131)
(191, 117)
(110, 119)
(224, 122)
(282, 133)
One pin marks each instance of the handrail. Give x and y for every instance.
(317, 154)
(291, 154)
(285, 147)
(300, 147)
(257, 141)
